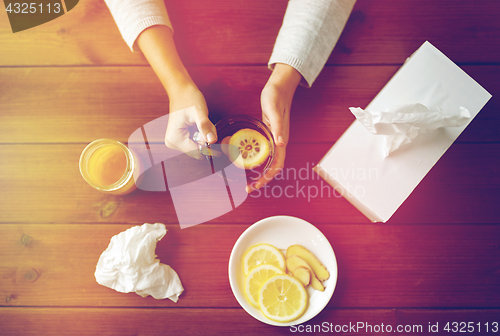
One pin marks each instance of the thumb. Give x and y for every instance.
(206, 127)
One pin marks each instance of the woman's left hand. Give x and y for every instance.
(276, 101)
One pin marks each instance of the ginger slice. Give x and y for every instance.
(293, 262)
(319, 270)
(303, 275)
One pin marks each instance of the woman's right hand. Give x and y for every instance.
(188, 108)
(187, 104)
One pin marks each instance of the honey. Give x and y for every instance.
(107, 165)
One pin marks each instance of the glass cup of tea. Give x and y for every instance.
(228, 126)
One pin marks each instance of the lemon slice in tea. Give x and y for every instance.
(251, 148)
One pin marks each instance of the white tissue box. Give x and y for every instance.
(356, 165)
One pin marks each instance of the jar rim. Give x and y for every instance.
(87, 153)
(242, 118)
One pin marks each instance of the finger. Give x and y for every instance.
(277, 126)
(205, 126)
(189, 147)
(275, 169)
(180, 141)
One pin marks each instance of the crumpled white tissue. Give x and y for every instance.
(129, 264)
(403, 123)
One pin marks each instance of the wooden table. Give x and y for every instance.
(73, 80)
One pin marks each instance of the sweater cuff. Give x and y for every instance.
(294, 62)
(133, 33)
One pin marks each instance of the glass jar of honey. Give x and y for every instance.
(108, 166)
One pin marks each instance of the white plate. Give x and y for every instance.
(283, 231)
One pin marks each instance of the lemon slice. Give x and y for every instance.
(251, 148)
(282, 298)
(255, 279)
(262, 254)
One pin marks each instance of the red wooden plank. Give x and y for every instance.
(238, 32)
(379, 266)
(42, 184)
(47, 105)
(119, 322)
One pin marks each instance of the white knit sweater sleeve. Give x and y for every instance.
(133, 16)
(308, 34)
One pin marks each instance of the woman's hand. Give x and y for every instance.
(188, 108)
(187, 105)
(276, 101)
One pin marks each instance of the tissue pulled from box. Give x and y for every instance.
(129, 264)
(402, 124)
